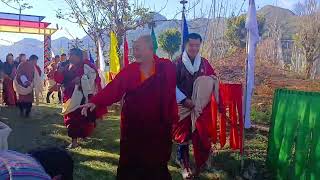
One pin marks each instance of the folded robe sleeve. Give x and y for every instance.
(111, 93)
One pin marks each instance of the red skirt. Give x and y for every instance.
(201, 137)
(78, 125)
(9, 95)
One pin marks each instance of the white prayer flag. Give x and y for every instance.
(101, 59)
(253, 39)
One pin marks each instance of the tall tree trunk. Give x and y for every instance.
(97, 52)
(309, 69)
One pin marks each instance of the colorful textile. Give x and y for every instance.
(185, 32)
(17, 166)
(231, 97)
(294, 138)
(113, 54)
(154, 41)
(125, 52)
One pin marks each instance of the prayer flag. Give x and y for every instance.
(113, 54)
(101, 58)
(253, 39)
(125, 52)
(154, 40)
(91, 58)
(185, 32)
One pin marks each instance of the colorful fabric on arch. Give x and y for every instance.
(294, 138)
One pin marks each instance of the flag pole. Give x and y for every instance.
(251, 43)
(244, 101)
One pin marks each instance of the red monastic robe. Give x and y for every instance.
(201, 137)
(9, 95)
(148, 113)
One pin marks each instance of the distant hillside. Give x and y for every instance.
(284, 17)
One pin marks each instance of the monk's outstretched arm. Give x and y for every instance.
(112, 93)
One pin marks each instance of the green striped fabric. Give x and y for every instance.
(294, 139)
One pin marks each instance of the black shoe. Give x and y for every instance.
(48, 99)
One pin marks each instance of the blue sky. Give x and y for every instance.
(48, 7)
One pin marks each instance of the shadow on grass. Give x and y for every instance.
(96, 159)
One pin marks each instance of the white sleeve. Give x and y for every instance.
(179, 95)
(23, 79)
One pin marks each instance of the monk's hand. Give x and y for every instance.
(87, 107)
(188, 104)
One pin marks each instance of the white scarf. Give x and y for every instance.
(36, 84)
(192, 68)
(88, 87)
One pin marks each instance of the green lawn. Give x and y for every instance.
(98, 156)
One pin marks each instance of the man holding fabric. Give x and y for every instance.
(27, 80)
(147, 88)
(79, 81)
(196, 82)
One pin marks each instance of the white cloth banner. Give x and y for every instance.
(101, 59)
(253, 39)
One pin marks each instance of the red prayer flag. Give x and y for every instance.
(125, 52)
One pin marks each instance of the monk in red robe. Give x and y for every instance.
(147, 88)
(27, 80)
(80, 81)
(191, 66)
(9, 72)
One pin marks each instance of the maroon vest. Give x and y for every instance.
(185, 80)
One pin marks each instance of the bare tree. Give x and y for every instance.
(308, 36)
(19, 5)
(98, 17)
(275, 35)
(216, 44)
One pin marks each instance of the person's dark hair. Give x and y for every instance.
(55, 162)
(63, 54)
(56, 56)
(20, 55)
(10, 54)
(194, 36)
(77, 52)
(33, 57)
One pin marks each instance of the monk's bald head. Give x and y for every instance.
(143, 48)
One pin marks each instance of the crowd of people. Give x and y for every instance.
(162, 102)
